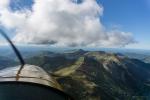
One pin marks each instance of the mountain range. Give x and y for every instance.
(92, 75)
(97, 75)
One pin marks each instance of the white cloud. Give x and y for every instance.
(62, 23)
(4, 4)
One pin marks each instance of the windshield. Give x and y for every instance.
(84, 49)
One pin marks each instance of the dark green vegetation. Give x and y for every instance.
(6, 62)
(97, 75)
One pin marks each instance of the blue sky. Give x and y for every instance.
(131, 16)
(21, 4)
(126, 15)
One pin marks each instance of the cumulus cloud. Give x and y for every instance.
(61, 23)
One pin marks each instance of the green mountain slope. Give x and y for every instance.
(98, 75)
(6, 62)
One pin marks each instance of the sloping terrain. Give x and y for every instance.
(89, 75)
(147, 59)
(7, 62)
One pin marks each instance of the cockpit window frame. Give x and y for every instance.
(68, 97)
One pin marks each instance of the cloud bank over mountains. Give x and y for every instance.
(61, 23)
